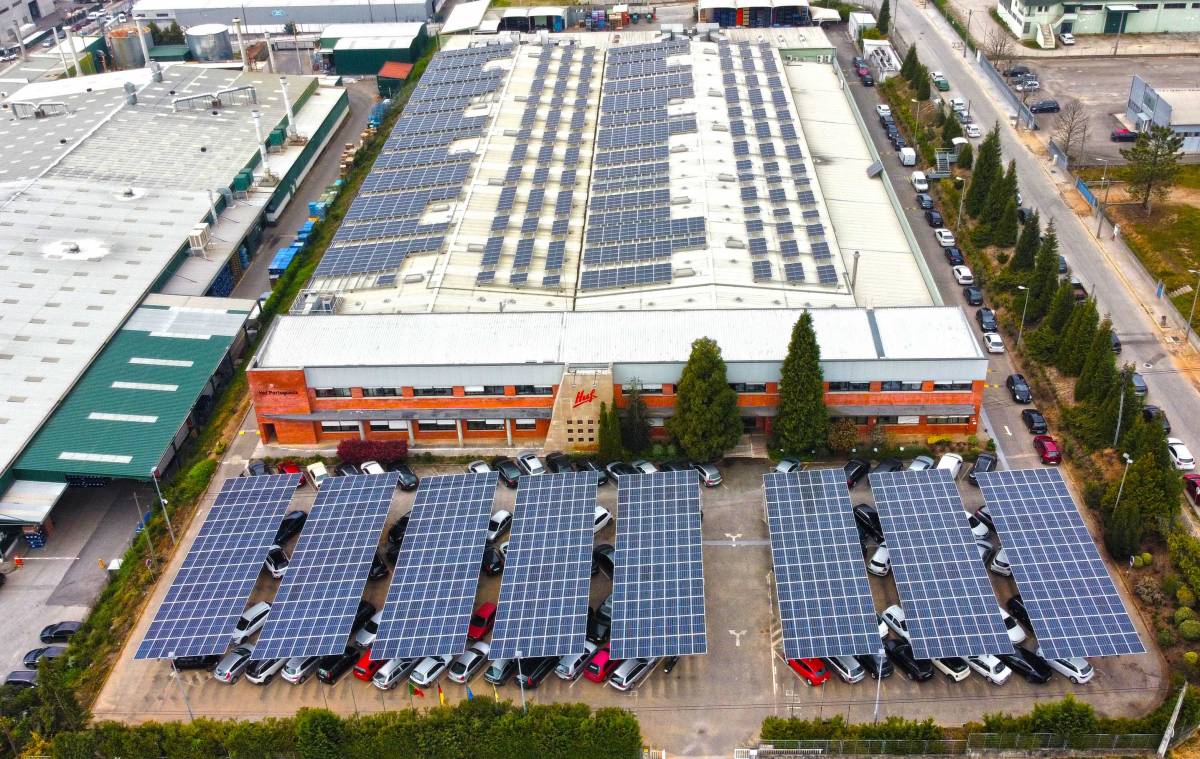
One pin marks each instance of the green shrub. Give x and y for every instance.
(1171, 584)
(1190, 630)
(1137, 562)
(1183, 614)
(1166, 637)
(1185, 597)
(1147, 558)
(1191, 657)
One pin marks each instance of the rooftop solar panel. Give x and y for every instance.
(1071, 599)
(543, 603)
(658, 582)
(825, 603)
(793, 271)
(433, 590)
(315, 605)
(950, 607)
(210, 590)
(761, 270)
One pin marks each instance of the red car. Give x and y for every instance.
(1191, 486)
(601, 666)
(1047, 449)
(1123, 135)
(482, 621)
(811, 671)
(290, 467)
(862, 70)
(365, 669)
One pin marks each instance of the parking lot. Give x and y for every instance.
(706, 705)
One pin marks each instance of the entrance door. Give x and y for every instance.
(269, 432)
(34, 11)
(1114, 21)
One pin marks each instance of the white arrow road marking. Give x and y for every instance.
(737, 637)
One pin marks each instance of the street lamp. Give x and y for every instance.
(163, 502)
(919, 104)
(878, 683)
(1103, 203)
(521, 682)
(961, 184)
(1121, 487)
(1024, 308)
(1188, 335)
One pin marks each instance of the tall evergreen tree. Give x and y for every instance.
(1099, 357)
(1043, 341)
(909, 67)
(706, 421)
(1077, 338)
(1004, 232)
(1045, 275)
(950, 130)
(1115, 416)
(987, 171)
(609, 434)
(966, 158)
(1027, 245)
(884, 22)
(802, 423)
(1123, 528)
(990, 219)
(921, 87)
(635, 422)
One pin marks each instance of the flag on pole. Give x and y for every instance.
(470, 695)
(441, 696)
(415, 691)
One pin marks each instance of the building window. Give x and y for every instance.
(483, 390)
(436, 424)
(657, 421)
(535, 390)
(861, 421)
(1090, 7)
(485, 425)
(1174, 6)
(952, 386)
(389, 425)
(339, 426)
(423, 392)
(646, 389)
(748, 387)
(948, 420)
(895, 386)
(525, 424)
(381, 392)
(1147, 6)
(1069, 8)
(332, 392)
(849, 387)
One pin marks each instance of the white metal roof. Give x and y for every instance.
(466, 16)
(29, 501)
(706, 5)
(1185, 105)
(374, 43)
(753, 3)
(825, 14)
(346, 31)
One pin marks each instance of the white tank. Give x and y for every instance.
(209, 42)
(126, 50)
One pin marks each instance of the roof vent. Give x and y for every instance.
(130, 193)
(75, 250)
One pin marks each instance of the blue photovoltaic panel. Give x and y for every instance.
(793, 271)
(790, 248)
(433, 590)
(827, 274)
(543, 603)
(315, 605)
(761, 270)
(658, 582)
(825, 603)
(1073, 604)
(948, 601)
(821, 250)
(209, 593)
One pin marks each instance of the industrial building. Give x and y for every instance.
(1177, 108)
(272, 16)
(362, 49)
(18, 14)
(1042, 23)
(552, 220)
(119, 190)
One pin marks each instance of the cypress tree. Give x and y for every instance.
(1099, 357)
(921, 86)
(1004, 233)
(1123, 528)
(1045, 275)
(802, 423)
(884, 22)
(1114, 410)
(1043, 341)
(950, 130)
(1077, 339)
(1027, 245)
(966, 157)
(609, 434)
(635, 423)
(706, 421)
(909, 67)
(995, 207)
(987, 171)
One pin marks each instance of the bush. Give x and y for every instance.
(1190, 630)
(1166, 637)
(1147, 590)
(1183, 614)
(1192, 658)
(1147, 558)
(1171, 584)
(1137, 562)
(1185, 597)
(384, 451)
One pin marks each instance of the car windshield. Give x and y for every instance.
(476, 621)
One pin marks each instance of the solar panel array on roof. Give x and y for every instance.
(948, 601)
(658, 580)
(649, 274)
(825, 603)
(1072, 601)
(543, 605)
(432, 594)
(208, 594)
(315, 605)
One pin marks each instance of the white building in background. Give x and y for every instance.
(17, 14)
(1177, 108)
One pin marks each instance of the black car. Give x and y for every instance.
(619, 469)
(1024, 214)
(22, 678)
(1045, 106)
(379, 568)
(408, 479)
(985, 463)
(867, 80)
(508, 470)
(1062, 265)
(898, 141)
(924, 200)
(277, 561)
(392, 553)
(531, 672)
(1116, 342)
(60, 632)
(290, 527)
(987, 319)
(1028, 665)
(197, 662)
(396, 532)
(855, 470)
(603, 557)
(913, 668)
(1034, 421)
(880, 667)
(1016, 607)
(493, 561)
(598, 627)
(674, 466)
(331, 668)
(592, 466)
(346, 469)
(1018, 388)
(669, 664)
(257, 469)
(558, 461)
(866, 519)
(1016, 71)
(973, 294)
(1152, 412)
(31, 658)
(934, 218)
(365, 611)
(888, 465)
(954, 256)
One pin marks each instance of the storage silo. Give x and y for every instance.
(210, 43)
(126, 49)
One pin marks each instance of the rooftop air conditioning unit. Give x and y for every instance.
(199, 238)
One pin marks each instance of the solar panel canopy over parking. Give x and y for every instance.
(209, 593)
(948, 601)
(432, 594)
(543, 603)
(1071, 599)
(825, 603)
(315, 605)
(658, 580)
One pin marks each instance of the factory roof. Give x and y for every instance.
(748, 335)
(1185, 104)
(350, 31)
(465, 16)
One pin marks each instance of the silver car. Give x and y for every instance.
(300, 668)
(469, 662)
(920, 464)
(570, 667)
(230, 668)
(846, 668)
(429, 670)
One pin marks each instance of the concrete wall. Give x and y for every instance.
(305, 16)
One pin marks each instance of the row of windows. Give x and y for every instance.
(863, 421)
(426, 392)
(398, 425)
(895, 386)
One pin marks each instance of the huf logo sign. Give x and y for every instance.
(581, 398)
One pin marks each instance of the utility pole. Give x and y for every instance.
(1188, 335)
(1120, 410)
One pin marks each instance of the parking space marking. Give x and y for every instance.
(737, 637)
(1007, 431)
(734, 543)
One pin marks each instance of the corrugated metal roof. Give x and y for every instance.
(465, 16)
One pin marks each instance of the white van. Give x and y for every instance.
(951, 462)
(908, 156)
(317, 473)
(919, 182)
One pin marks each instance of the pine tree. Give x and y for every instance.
(635, 422)
(909, 67)
(1077, 339)
(1116, 410)
(991, 220)
(706, 422)
(609, 434)
(1045, 275)
(987, 171)
(802, 424)
(1027, 245)
(950, 130)
(884, 22)
(1043, 341)
(921, 87)
(1099, 357)
(1123, 528)
(966, 157)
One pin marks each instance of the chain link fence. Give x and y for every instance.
(974, 743)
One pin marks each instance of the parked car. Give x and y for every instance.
(1028, 665)
(952, 463)
(1123, 135)
(642, 466)
(810, 671)
(1034, 421)
(1066, 38)
(985, 462)
(290, 527)
(571, 666)
(986, 318)
(365, 635)
(346, 469)
(31, 658)
(299, 668)
(1076, 669)
(787, 465)
(1029, 84)
(482, 621)
(500, 671)
(263, 671)
(1140, 389)
(618, 469)
(429, 670)
(945, 238)
(331, 668)
(934, 218)
(601, 666)
(1151, 412)
(316, 473)
(1018, 388)
(398, 530)
(393, 672)
(468, 664)
(631, 673)
(1047, 449)
(362, 616)
(499, 524)
(603, 557)
(591, 466)
(22, 678)
(1013, 71)
(508, 470)
(855, 470)
(1016, 633)
(846, 667)
(372, 467)
(879, 667)
(993, 342)
(531, 672)
(1181, 457)
(196, 662)
(1045, 106)
(866, 519)
(901, 653)
(881, 108)
(1191, 486)
(867, 80)
(919, 182)
(990, 668)
(973, 131)
(954, 256)
(920, 464)
(893, 617)
(939, 81)
(478, 467)
(558, 462)
(709, 475)
(379, 568)
(493, 561)
(250, 622)
(880, 563)
(601, 519)
(963, 275)
(60, 632)
(888, 465)
(407, 479)
(924, 200)
(230, 668)
(954, 668)
(530, 463)
(598, 627)
(257, 469)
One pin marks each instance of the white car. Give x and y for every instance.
(499, 524)
(883, 109)
(478, 467)
(367, 633)
(317, 473)
(954, 668)
(1016, 633)
(469, 662)
(944, 237)
(973, 131)
(429, 670)
(993, 342)
(978, 528)
(1066, 38)
(787, 465)
(644, 467)
(958, 104)
(990, 668)
(1076, 669)
(919, 182)
(951, 462)
(920, 464)
(530, 463)
(963, 275)
(1181, 457)
(880, 562)
(251, 622)
(1028, 85)
(372, 467)
(603, 517)
(893, 617)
